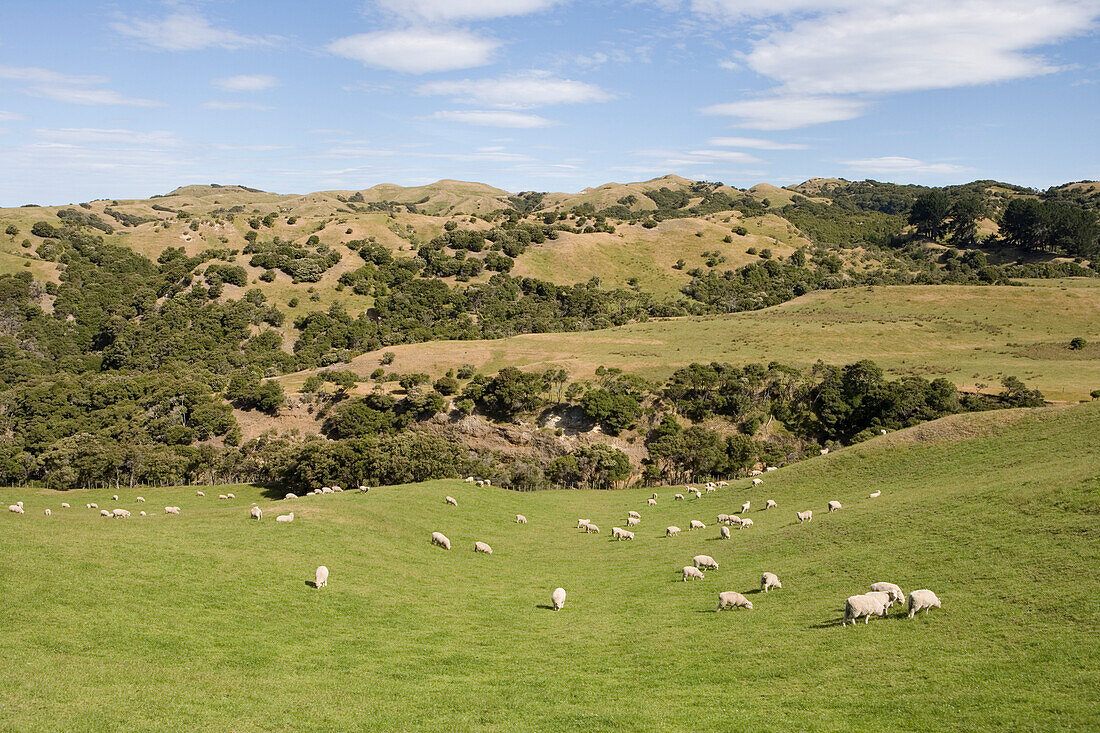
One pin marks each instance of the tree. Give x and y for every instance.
(930, 212)
(1022, 223)
(964, 214)
(12, 230)
(599, 465)
(1077, 343)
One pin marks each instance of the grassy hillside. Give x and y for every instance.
(970, 335)
(208, 621)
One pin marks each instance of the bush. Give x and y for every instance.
(387, 358)
(1077, 343)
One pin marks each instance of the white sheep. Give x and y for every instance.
(222, 496)
(632, 521)
(769, 581)
(770, 504)
(732, 599)
(199, 493)
(886, 599)
(757, 481)
(230, 496)
(558, 598)
(48, 512)
(745, 508)
(705, 561)
(438, 538)
(483, 547)
(711, 488)
(723, 519)
(834, 506)
(734, 520)
(256, 512)
(591, 528)
(290, 495)
(64, 505)
(696, 524)
(654, 496)
(326, 490)
(919, 600)
(143, 514)
(806, 516)
(480, 482)
(691, 573)
(15, 509)
(882, 432)
(875, 494)
(651, 502)
(755, 472)
(337, 490)
(115, 497)
(102, 513)
(468, 480)
(364, 489)
(723, 483)
(140, 499)
(672, 531)
(582, 523)
(824, 451)
(725, 532)
(488, 482)
(862, 605)
(451, 500)
(285, 517)
(895, 591)
(320, 578)
(698, 494)
(621, 534)
(772, 468)
(746, 522)
(678, 497)
(121, 513)
(520, 519)
(634, 514)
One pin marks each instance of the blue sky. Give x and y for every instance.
(129, 99)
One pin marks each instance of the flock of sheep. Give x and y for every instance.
(876, 602)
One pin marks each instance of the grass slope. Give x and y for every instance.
(207, 620)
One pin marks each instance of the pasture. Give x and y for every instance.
(209, 621)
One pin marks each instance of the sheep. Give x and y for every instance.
(326, 490)
(451, 500)
(711, 488)
(102, 513)
(806, 516)
(320, 579)
(558, 598)
(337, 489)
(520, 519)
(15, 509)
(591, 528)
(678, 497)
(654, 496)
(582, 523)
(732, 599)
(143, 514)
(19, 504)
(634, 514)
(222, 496)
(199, 493)
(64, 505)
(725, 532)
(920, 600)
(483, 547)
(723, 519)
(290, 495)
(875, 494)
(621, 534)
(746, 522)
(171, 510)
(672, 531)
(285, 517)
(834, 506)
(256, 512)
(757, 481)
(772, 468)
(121, 513)
(882, 432)
(770, 504)
(364, 489)
(698, 494)
(480, 482)
(651, 502)
(691, 573)
(696, 524)
(896, 595)
(755, 472)
(632, 521)
(230, 496)
(768, 581)
(723, 483)
(140, 500)
(745, 508)
(887, 599)
(438, 538)
(824, 451)
(734, 520)
(468, 480)
(115, 497)
(705, 561)
(862, 605)
(89, 506)
(48, 512)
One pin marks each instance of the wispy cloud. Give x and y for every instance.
(754, 143)
(892, 165)
(520, 91)
(81, 89)
(186, 30)
(230, 106)
(246, 83)
(91, 135)
(417, 51)
(494, 118)
(786, 113)
(9, 116)
(451, 10)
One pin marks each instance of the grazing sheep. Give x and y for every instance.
(64, 505)
(115, 497)
(48, 512)
(711, 488)
(875, 494)
(806, 516)
(634, 514)
(326, 490)
(896, 595)
(725, 532)
(438, 538)
(256, 512)
(768, 581)
(483, 547)
(755, 472)
(920, 600)
(452, 501)
(678, 497)
(591, 528)
(582, 523)
(692, 573)
(705, 561)
(698, 494)
(364, 489)
(886, 599)
(285, 517)
(480, 482)
(141, 499)
(723, 483)
(337, 490)
(696, 524)
(745, 508)
(732, 599)
(734, 520)
(621, 534)
(651, 502)
(672, 531)
(862, 605)
(746, 522)
(824, 451)
(230, 496)
(290, 496)
(15, 509)
(558, 598)
(520, 519)
(123, 513)
(757, 481)
(143, 514)
(772, 468)
(102, 513)
(654, 496)
(834, 506)
(882, 432)
(320, 579)
(171, 510)
(199, 493)
(468, 480)
(632, 521)
(222, 496)
(770, 504)
(723, 519)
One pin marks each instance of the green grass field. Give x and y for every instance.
(208, 621)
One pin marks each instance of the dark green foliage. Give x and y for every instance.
(295, 260)
(248, 392)
(508, 394)
(45, 230)
(74, 218)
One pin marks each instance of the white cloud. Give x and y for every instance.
(247, 148)
(36, 75)
(186, 30)
(72, 88)
(9, 116)
(670, 159)
(74, 95)
(447, 10)
(522, 91)
(788, 112)
(246, 83)
(227, 106)
(494, 118)
(890, 164)
(417, 51)
(740, 9)
(754, 143)
(90, 135)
